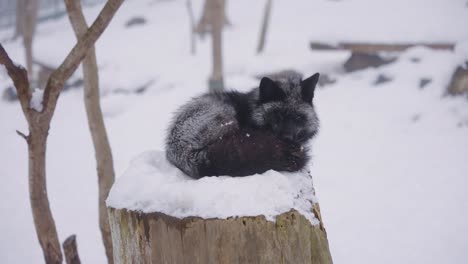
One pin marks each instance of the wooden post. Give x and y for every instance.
(159, 238)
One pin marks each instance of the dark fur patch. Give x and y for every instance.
(252, 151)
(240, 101)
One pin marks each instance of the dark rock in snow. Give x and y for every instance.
(381, 79)
(415, 59)
(415, 118)
(9, 94)
(73, 84)
(135, 21)
(360, 61)
(137, 90)
(423, 82)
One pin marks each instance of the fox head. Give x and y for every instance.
(286, 107)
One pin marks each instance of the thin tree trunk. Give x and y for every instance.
(39, 123)
(28, 49)
(42, 215)
(205, 24)
(193, 44)
(217, 16)
(29, 27)
(19, 18)
(105, 165)
(263, 32)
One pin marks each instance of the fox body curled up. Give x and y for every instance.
(239, 134)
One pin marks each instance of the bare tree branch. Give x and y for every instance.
(39, 123)
(71, 62)
(19, 76)
(21, 134)
(71, 250)
(105, 166)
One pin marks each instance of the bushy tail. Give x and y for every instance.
(250, 152)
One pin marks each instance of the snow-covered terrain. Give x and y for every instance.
(390, 163)
(152, 184)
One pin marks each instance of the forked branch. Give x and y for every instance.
(39, 123)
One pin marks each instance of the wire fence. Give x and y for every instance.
(48, 9)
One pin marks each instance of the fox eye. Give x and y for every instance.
(301, 134)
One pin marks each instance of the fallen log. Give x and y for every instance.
(372, 48)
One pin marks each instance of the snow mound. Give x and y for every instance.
(152, 184)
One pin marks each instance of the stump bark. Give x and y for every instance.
(159, 238)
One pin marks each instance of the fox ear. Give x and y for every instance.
(269, 91)
(308, 87)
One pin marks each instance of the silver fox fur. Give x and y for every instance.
(220, 132)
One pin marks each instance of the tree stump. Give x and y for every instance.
(159, 238)
(459, 82)
(158, 214)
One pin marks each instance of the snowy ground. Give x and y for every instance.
(390, 163)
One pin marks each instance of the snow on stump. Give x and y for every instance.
(159, 215)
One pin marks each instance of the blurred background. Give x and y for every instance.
(390, 164)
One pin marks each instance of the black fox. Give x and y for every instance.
(239, 134)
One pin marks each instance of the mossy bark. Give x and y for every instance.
(159, 238)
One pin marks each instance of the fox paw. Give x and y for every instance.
(295, 157)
